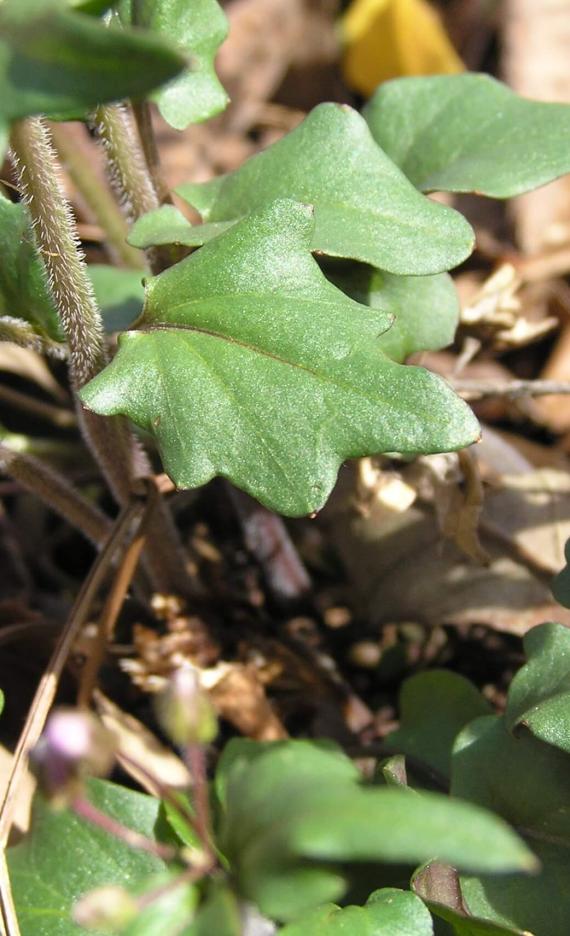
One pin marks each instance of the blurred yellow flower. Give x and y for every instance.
(392, 38)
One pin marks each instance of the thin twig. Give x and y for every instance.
(114, 602)
(56, 415)
(47, 687)
(8, 911)
(512, 389)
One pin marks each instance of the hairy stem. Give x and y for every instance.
(59, 246)
(129, 173)
(55, 491)
(127, 165)
(109, 439)
(74, 152)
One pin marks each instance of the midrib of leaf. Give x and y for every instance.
(352, 388)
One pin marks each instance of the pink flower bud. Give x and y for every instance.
(184, 710)
(73, 745)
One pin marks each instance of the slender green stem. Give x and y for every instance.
(143, 118)
(75, 155)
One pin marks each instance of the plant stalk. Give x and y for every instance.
(112, 444)
(129, 173)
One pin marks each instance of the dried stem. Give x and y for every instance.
(56, 415)
(114, 603)
(512, 389)
(47, 687)
(55, 491)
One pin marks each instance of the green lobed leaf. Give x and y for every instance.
(365, 208)
(434, 707)
(63, 857)
(539, 695)
(426, 308)
(387, 912)
(23, 289)
(167, 225)
(526, 781)
(55, 60)
(469, 133)
(283, 828)
(248, 363)
(198, 29)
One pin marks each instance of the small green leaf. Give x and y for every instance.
(2, 701)
(387, 912)
(54, 60)
(198, 29)
(283, 828)
(63, 857)
(249, 364)
(167, 225)
(365, 208)
(426, 308)
(23, 289)
(219, 915)
(526, 781)
(119, 294)
(539, 695)
(177, 819)
(469, 133)
(399, 825)
(434, 707)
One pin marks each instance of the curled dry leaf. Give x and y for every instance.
(495, 312)
(137, 745)
(239, 697)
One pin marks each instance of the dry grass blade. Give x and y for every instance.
(479, 389)
(46, 690)
(8, 916)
